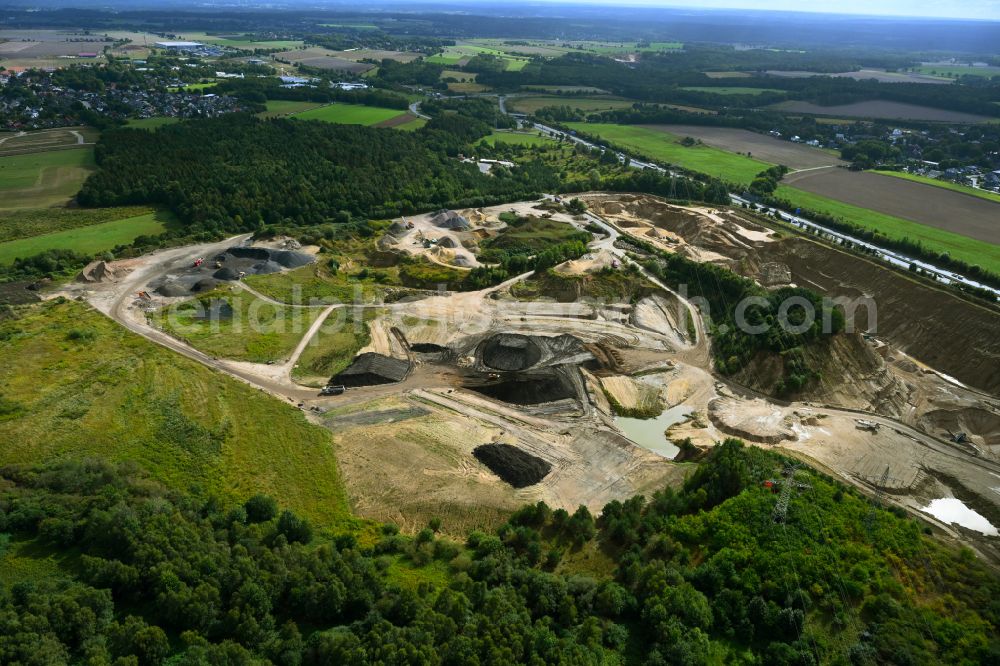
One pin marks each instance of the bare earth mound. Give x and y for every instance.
(511, 464)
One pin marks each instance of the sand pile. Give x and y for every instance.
(100, 271)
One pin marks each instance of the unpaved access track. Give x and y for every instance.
(592, 462)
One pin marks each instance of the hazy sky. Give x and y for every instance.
(976, 9)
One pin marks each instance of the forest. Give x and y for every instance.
(239, 173)
(701, 574)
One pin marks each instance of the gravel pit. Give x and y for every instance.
(528, 391)
(511, 352)
(512, 465)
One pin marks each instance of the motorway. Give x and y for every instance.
(897, 259)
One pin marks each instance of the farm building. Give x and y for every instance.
(371, 368)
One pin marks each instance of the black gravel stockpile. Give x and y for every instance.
(511, 464)
(428, 348)
(511, 352)
(527, 391)
(285, 258)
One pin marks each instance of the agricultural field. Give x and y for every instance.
(541, 48)
(49, 48)
(462, 51)
(759, 146)
(569, 89)
(532, 103)
(40, 180)
(351, 114)
(955, 71)
(986, 255)
(880, 75)
(355, 26)
(728, 75)
(732, 90)
(516, 138)
(281, 107)
(937, 207)
(317, 56)
(410, 125)
(257, 331)
(27, 223)
(880, 109)
(22, 143)
(114, 393)
(467, 87)
(89, 239)
(376, 54)
(153, 123)
(620, 48)
(666, 147)
(947, 184)
(241, 41)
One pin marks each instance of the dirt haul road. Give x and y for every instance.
(477, 309)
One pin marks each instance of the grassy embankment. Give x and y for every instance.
(89, 239)
(44, 179)
(334, 346)
(75, 384)
(257, 331)
(667, 148)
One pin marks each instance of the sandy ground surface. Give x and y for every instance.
(405, 448)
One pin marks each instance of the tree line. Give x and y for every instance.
(700, 574)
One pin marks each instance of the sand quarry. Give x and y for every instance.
(537, 380)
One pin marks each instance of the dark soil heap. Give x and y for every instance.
(513, 465)
(511, 352)
(370, 369)
(528, 390)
